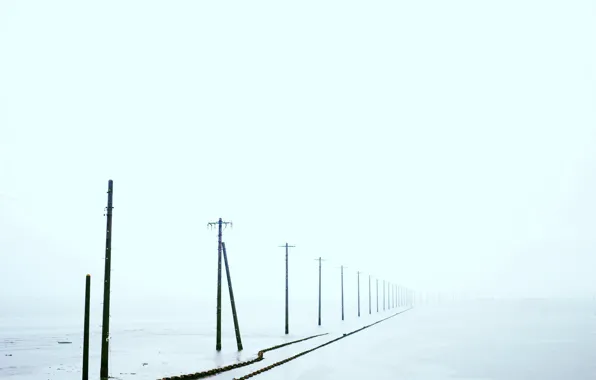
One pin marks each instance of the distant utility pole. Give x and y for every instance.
(377, 295)
(320, 260)
(287, 298)
(220, 225)
(389, 286)
(105, 329)
(383, 294)
(391, 295)
(358, 293)
(369, 297)
(342, 292)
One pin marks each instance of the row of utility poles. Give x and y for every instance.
(396, 296)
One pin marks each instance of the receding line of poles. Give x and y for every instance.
(393, 295)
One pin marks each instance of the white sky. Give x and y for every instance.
(444, 145)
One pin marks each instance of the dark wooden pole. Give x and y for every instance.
(220, 223)
(105, 330)
(218, 332)
(287, 247)
(86, 328)
(234, 314)
(287, 295)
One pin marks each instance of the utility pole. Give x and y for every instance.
(287, 246)
(105, 329)
(86, 328)
(383, 294)
(389, 296)
(220, 225)
(369, 297)
(320, 260)
(234, 314)
(358, 293)
(342, 292)
(377, 295)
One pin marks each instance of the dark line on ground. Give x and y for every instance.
(265, 369)
(215, 371)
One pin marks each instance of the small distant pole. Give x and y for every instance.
(220, 224)
(389, 285)
(105, 329)
(383, 294)
(358, 294)
(391, 295)
(369, 297)
(86, 328)
(234, 314)
(287, 246)
(342, 292)
(377, 295)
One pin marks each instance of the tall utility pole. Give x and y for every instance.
(220, 225)
(358, 293)
(320, 260)
(234, 314)
(342, 292)
(369, 298)
(377, 295)
(287, 246)
(105, 329)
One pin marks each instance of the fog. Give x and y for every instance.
(446, 146)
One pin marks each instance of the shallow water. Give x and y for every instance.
(474, 340)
